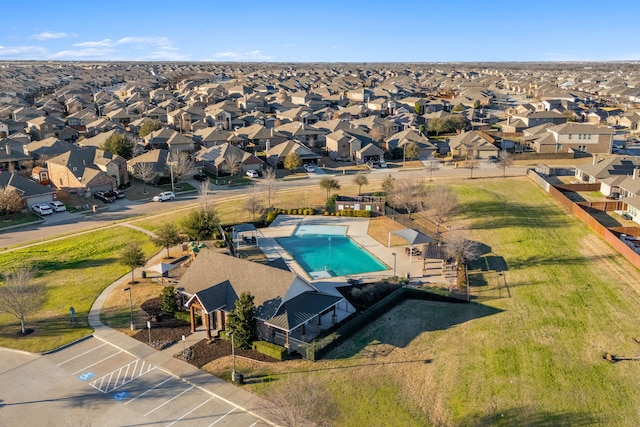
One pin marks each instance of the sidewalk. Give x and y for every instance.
(164, 359)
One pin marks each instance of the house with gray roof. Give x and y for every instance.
(289, 310)
(31, 192)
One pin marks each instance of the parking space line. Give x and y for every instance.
(220, 419)
(168, 401)
(81, 354)
(200, 405)
(99, 361)
(147, 391)
(121, 379)
(254, 423)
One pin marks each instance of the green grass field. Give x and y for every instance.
(531, 358)
(74, 270)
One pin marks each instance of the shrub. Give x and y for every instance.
(270, 349)
(294, 212)
(326, 213)
(220, 244)
(271, 216)
(184, 316)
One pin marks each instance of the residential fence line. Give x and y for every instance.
(611, 236)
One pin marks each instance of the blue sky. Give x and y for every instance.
(320, 31)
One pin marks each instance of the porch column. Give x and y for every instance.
(192, 318)
(207, 321)
(286, 343)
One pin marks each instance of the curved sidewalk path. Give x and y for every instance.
(233, 395)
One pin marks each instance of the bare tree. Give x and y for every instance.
(377, 134)
(301, 401)
(432, 165)
(360, 179)
(19, 296)
(10, 201)
(460, 248)
(388, 185)
(506, 160)
(269, 183)
(234, 163)
(203, 193)
(408, 194)
(443, 204)
(253, 203)
(182, 164)
(145, 172)
(411, 150)
(470, 159)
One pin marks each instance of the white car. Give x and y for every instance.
(162, 197)
(252, 174)
(42, 209)
(309, 167)
(57, 206)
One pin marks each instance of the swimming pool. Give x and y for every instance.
(327, 251)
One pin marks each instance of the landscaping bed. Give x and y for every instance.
(164, 332)
(205, 351)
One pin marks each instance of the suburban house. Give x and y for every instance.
(473, 143)
(87, 170)
(12, 155)
(153, 164)
(304, 133)
(170, 140)
(277, 154)
(43, 127)
(569, 138)
(31, 192)
(289, 310)
(49, 147)
(209, 137)
(342, 145)
(615, 175)
(408, 136)
(223, 159)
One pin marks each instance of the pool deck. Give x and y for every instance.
(421, 271)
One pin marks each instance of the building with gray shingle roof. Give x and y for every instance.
(286, 305)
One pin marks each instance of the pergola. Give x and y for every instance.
(413, 237)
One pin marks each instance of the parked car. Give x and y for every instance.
(57, 206)
(626, 216)
(309, 167)
(42, 209)
(118, 194)
(494, 159)
(105, 196)
(162, 197)
(252, 174)
(614, 196)
(200, 177)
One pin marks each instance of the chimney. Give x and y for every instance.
(595, 159)
(7, 148)
(271, 131)
(635, 172)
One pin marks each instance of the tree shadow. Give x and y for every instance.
(533, 418)
(379, 339)
(490, 215)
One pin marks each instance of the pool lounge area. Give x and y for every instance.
(356, 229)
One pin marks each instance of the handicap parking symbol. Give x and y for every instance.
(121, 395)
(86, 376)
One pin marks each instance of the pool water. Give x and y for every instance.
(329, 254)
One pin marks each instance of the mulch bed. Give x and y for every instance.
(204, 352)
(164, 332)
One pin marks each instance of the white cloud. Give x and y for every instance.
(49, 36)
(88, 53)
(254, 55)
(23, 52)
(101, 43)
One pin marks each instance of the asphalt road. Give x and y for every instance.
(60, 224)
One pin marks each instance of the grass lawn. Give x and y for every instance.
(74, 270)
(533, 358)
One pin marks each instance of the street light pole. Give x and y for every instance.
(233, 357)
(394, 264)
(404, 154)
(172, 185)
(130, 307)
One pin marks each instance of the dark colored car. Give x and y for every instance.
(105, 196)
(118, 194)
(200, 177)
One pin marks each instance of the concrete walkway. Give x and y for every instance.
(165, 359)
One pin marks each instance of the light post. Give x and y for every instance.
(130, 307)
(173, 190)
(404, 154)
(233, 357)
(394, 264)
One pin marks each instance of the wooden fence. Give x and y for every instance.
(611, 236)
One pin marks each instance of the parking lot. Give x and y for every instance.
(109, 386)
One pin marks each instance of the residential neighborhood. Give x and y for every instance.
(339, 157)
